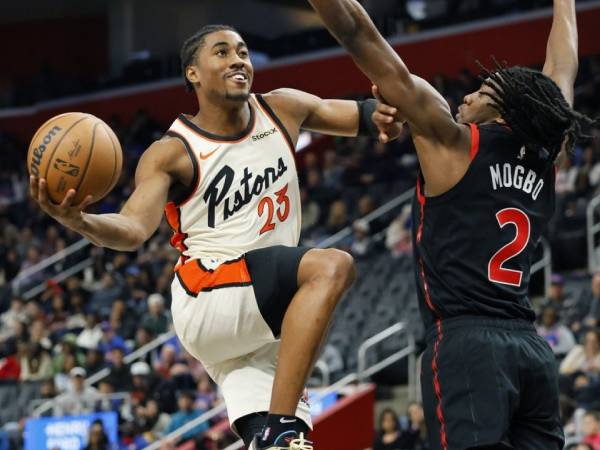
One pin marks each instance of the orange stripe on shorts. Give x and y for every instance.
(195, 278)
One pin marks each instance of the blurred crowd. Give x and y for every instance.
(51, 341)
(393, 17)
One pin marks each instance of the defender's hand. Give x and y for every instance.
(386, 119)
(65, 213)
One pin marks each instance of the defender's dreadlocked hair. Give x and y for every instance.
(534, 108)
(193, 43)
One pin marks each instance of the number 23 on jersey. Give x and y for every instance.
(281, 210)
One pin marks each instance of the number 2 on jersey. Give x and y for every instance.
(496, 272)
(283, 209)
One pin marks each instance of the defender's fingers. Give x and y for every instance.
(383, 138)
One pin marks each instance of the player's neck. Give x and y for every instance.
(223, 120)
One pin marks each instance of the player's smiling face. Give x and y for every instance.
(477, 107)
(222, 66)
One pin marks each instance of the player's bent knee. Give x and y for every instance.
(338, 267)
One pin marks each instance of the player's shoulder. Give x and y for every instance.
(287, 99)
(166, 152)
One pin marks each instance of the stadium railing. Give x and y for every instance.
(593, 227)
(20, 285)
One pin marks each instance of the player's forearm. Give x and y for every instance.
(561, 50)
(114, 231)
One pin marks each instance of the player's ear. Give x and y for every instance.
(191, 73)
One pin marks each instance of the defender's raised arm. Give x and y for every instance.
(561, 51)
(423, 107)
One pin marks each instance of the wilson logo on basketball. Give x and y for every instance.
(38, 152)
(252, 186)
(66, 167)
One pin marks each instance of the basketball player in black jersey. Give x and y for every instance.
(484, 197)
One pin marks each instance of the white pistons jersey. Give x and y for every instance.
(245, 190)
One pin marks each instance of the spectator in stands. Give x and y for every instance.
(97, 438)
(36, 364)
(558, 336)
(206, 395)
(592, 317)
(338, 217)
(143, 381)
(398, 235)
(591, 429)
(68, 347)
(168, 357)
(105, 401)
(119, 372)
(186, 413)
(62, 380)
(108, 292)
(123, 320)
(156, 420)
(79, 399)
(94, 361)
(156, 319)
(109, 341)
(311, 212)
(10, 366)
(584, 358)
(91, 334)
(76, 317)
(565, 306)
(9, 318)
(389, 433)
(362, 243)
(331, 170)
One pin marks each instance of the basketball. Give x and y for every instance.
(75, 151)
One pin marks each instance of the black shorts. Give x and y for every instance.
(490, 383)
(274, 273)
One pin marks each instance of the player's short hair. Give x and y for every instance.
(193, 43)
(534, 107)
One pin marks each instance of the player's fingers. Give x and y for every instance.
(382, 119)
(383, 138)
(386, 109)
(43, 192)
(68, 200)
(85, 203)
(33, 187)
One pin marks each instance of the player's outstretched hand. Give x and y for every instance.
(386, 118)
(65, 213)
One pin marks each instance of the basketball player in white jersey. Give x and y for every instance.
(247, 302)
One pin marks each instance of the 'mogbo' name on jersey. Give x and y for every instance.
(507, 176)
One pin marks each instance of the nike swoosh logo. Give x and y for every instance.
(204, 156)
(282, 420)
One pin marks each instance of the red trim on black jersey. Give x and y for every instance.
(474, 140)
(440, 335)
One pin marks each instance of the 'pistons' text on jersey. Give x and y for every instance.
(245, 194)
(474, 243)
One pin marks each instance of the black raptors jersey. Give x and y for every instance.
(473, 245)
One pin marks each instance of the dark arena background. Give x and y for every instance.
(88, 355)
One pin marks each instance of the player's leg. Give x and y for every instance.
(323, 277)
(536, 424)
(467, 393)
(297, 291)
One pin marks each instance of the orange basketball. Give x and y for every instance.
(75, 151)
